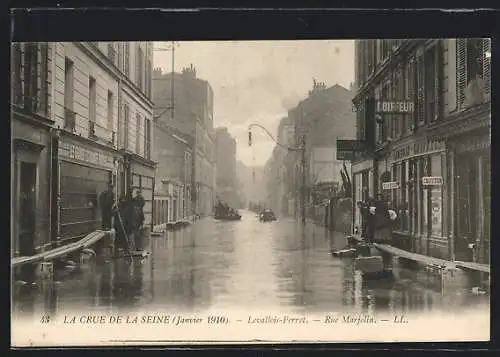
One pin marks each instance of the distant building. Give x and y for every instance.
(253, 183)
(227, 183)
(278, 183)
(189, 109)
(173, 153)
(323, 117)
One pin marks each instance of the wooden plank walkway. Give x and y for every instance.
(85, 242)
(413, 256)
(485, 268)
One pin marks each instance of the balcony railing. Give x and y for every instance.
(98, 133)
(69, 119)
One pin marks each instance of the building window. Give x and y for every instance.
(112, 52)
(147, 138)
(473, 71)
(69, 115)
(126, 123)
(148, 79)
(92, 99)
(30, 77)
(120, 56)
(138, 133)
(411, 91)
(111, 104)
(139, 79)
(126, 59)
(432, 82)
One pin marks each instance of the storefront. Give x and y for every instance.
(85, 170)
(362, 184)
(138, 174)
(471, 196)
(31, 147)
(416, 176)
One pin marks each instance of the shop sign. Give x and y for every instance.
(347, 149)
(432, 181)
(394, 107)
(80, 153)
(420, 147)
(391, 185)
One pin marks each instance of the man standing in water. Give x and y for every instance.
(138, 203)
(106, 201)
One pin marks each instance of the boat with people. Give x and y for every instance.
(225, 213)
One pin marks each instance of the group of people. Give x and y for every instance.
(377, 219)
(126, 217)
(223, 209)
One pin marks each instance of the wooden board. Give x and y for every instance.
(136, 254)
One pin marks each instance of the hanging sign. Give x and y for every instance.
(391, 185)
(347, 149)
(432, 181)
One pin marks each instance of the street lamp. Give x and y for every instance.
(302, 149)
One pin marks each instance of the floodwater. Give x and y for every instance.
(234, 265)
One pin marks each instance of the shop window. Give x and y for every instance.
(436, 197)
(424, 199)
(486, 166)
(403, 204)
(80, 188)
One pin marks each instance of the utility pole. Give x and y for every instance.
(303, 186)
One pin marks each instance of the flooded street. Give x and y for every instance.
(234, 265)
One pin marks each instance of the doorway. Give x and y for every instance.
(27, 207)
(466, 206)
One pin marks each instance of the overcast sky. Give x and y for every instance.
(258, 81)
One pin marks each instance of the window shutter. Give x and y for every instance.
(461, 70)
(487, 68)
(412, 94)
(120, 56)
(420, 89)
(18, 79)
(438, 84)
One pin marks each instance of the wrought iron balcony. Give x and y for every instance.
(69, 119)
(100, 133)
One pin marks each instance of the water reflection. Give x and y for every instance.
(241, 265)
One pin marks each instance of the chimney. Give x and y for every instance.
(157, 72)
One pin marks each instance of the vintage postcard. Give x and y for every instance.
(250, 191)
